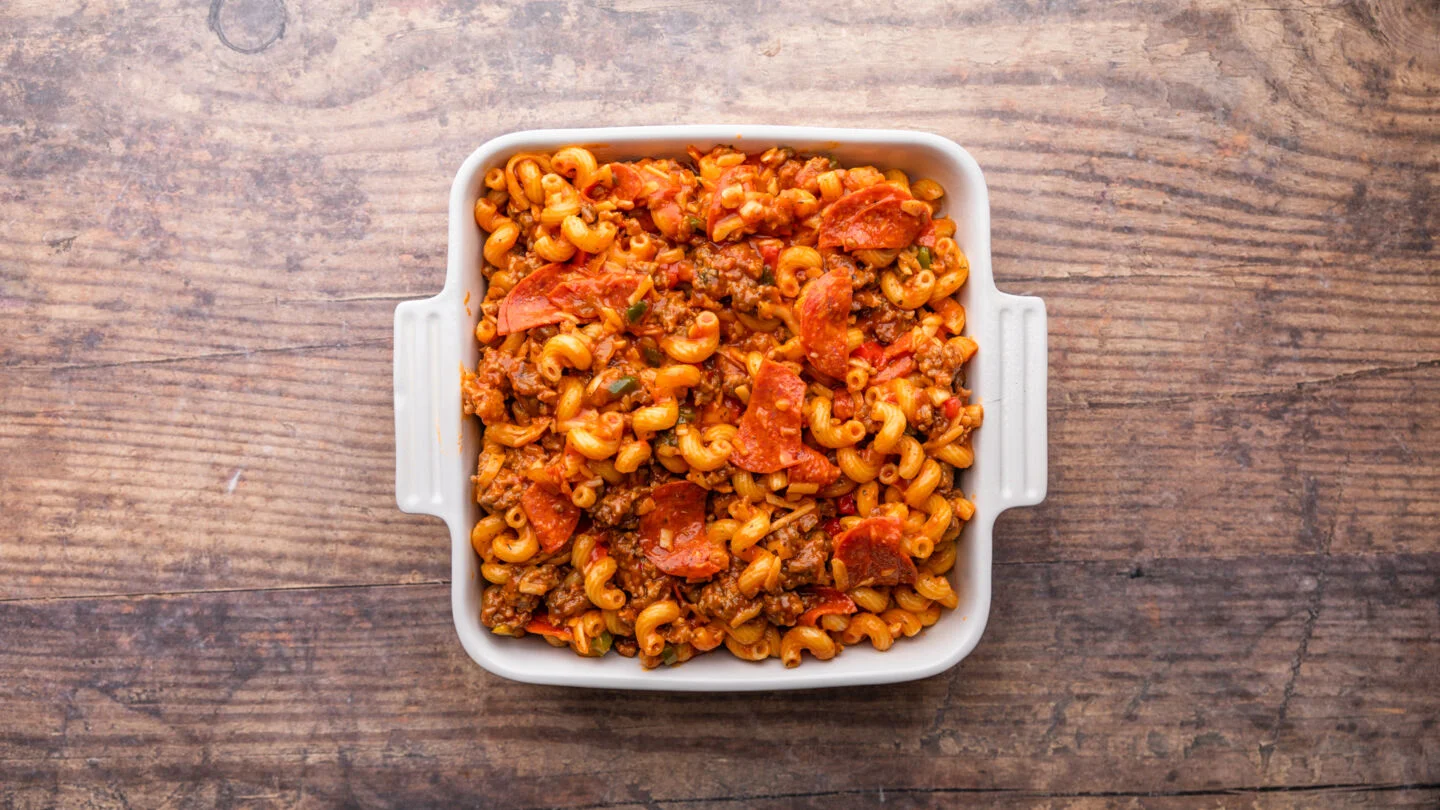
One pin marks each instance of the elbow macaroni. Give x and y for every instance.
(621, 375)
(703, 340)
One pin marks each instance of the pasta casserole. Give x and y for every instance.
(723, 402)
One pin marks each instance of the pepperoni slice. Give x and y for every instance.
(582, 295)
(673, 533)
(827, 601)
(557, 292)
(843, 405)
(628, 184)
(769, 437)
(552, 516)
(872, 555)
(927, 236)
(870, 219)
(528, 305)
(824, 313)
(541, 625)
(813, 468)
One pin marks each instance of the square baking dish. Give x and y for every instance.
(436, 447)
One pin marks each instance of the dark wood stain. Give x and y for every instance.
(208, 215)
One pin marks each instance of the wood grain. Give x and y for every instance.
(208, 212)
(1181, 679)
(1350, 464)
(1341, 796)
(1170, 143)
(276, 469)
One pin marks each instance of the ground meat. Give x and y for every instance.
(504, 607)
(721, 597)
(553, 443)
(682, 630)
(734, 272)
(732, 374)
(483, 393)
(887, 322)
(535, 578)
(805, 176)
(635, 574)
(939, 361)
(782, 608)
(786, 539)
(626, 646)
(787, 172)
(865, 299)
(949, 484)
(526, 381)
(502, 372)
(924, 418)
(606, 349)
(712, 381)
(510, 483)
(745, 293)
(504, 492)
(538, 335)
(601, 396)
(617, 504)
(668, 312)
(762, 341)
(807, 567)
(522, 266)
(568, 599)
(526, 221)
(706, 280)
(736, 256)
(720, 502)
(732, 331)
(709, 480)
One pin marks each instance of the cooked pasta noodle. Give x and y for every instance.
(701, 429)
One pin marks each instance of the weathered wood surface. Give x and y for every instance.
(1179, 680)
(207, 213)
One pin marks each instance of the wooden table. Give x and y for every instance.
(1231, 597)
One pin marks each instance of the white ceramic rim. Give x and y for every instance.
(437, 447)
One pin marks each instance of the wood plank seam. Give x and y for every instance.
(238, 353)
(1301, 386)
(39, 600)
(1021, 793)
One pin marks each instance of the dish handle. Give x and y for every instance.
(426, 373)
(1024, 420)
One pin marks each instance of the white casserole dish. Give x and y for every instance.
(436, 447)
